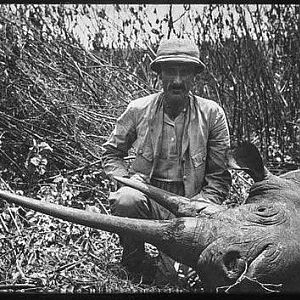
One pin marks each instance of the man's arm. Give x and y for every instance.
(217, 178)
(118, 144)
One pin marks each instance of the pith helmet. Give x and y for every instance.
(177, 50)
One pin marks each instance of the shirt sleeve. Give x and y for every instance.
(217, 179)
(118, 144)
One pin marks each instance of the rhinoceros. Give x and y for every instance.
(257, 242)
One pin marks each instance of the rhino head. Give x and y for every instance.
(258, 241)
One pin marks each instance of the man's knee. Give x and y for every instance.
(128, 202)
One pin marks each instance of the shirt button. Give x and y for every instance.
(140, 151)
(184, 177)
(172, 139)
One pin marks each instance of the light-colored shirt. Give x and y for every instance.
(205, 140)
(169, 161)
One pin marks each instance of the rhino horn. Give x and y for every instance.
(175, 237)
(178, 205)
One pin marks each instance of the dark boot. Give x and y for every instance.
(141, 266)
(132, 258)
(133, 253)
(146, 269)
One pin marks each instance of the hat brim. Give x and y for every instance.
(156, 64)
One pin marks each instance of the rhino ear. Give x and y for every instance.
(246, 157)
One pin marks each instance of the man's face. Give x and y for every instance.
(177, 80)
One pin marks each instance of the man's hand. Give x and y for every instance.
(140, 177)
(114, 184)
(203, 206)
(199, 206)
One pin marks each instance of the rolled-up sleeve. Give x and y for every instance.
(118, 144)
(217, 178)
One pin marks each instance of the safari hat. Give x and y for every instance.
(177, 50)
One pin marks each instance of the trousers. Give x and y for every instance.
(128, 202)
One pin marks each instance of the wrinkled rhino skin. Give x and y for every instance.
(260, 239)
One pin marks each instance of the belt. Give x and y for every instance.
(168, 180)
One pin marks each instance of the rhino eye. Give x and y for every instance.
(266, 214)
(261, 209)
(266, 211)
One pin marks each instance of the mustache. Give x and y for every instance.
(177, 87)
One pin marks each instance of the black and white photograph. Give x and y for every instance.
(149, 149)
